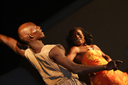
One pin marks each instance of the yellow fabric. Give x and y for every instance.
(111, 77)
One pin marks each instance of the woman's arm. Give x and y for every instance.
(58, 55)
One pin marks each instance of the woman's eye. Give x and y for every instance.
(78, 33)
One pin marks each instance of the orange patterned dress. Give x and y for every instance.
(111, 77)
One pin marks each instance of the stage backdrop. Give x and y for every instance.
(105, 19)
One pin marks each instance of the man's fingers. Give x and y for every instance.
(118, 61)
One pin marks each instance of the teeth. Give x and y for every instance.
(78, 39)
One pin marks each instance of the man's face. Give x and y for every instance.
(36, 31)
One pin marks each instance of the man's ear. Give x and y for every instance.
(31, 36)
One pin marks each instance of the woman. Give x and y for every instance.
(83, 51)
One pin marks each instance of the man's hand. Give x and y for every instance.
(114, 64)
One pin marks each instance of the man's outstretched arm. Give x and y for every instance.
(58, 55)
(12, 43)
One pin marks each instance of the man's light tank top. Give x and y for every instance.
(51, 72)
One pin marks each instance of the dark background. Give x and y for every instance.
(105, 19)
(16, 70)
(15, 13)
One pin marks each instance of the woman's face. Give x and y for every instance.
(78, 37)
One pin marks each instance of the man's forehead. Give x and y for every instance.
(25, 31)
(30, 27)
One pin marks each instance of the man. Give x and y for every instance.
(50, 60)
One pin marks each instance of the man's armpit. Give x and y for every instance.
(60, 46)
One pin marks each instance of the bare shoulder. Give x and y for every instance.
(60, 46)
(56, 51)
(95, 46)
(20, 49)
(74, 49)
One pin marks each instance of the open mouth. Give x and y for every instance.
(77, 40)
